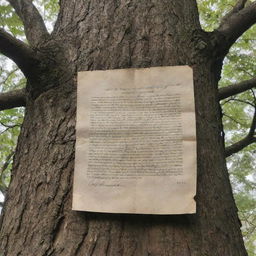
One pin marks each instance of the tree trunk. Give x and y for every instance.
(111, 34)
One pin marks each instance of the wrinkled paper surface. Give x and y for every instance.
(136, 141)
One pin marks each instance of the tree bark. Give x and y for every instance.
(90, 35)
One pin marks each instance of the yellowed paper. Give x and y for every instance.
(136, 141)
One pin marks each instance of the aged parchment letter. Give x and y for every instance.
(136, 141)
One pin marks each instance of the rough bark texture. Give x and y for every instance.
(89, 35)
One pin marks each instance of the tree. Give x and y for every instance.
(90, 35)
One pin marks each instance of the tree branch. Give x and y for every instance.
(238, 7)
(35, 29)
(16, 50)
(236, 22)
(9, 126)
(12, 99)
(236, 88)
(249, 139)
(238, 100)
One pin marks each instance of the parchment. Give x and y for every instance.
(136, 141)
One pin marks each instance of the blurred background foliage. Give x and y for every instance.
(239, 65)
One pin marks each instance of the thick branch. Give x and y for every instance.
(237, 22)
(238, 6)
(12, 99)
(239, 146)
(236, 88)
(35, 28)
(16, 50)
(249, 139)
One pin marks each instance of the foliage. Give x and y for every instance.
(10, 20)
